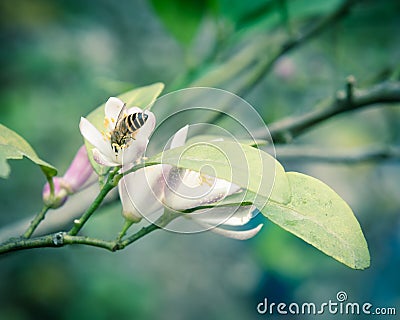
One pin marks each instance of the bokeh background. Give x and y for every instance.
(60, 59)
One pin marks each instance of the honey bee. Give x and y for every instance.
(126, 127)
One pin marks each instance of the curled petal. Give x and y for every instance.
(91, 134)
(228, 215)
(112, 109)
(192, 189)
(238, 235)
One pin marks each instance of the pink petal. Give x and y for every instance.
(79, 170)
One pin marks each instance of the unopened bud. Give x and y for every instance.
(79, 171)
(74, 179)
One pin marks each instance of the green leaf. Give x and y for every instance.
(181, 17)
(249, 142)
(250, 168)
(142, 97)
(13, 146)
(319, 216)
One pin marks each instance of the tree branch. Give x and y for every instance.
(260, 66)
(265, 66)
(286, 129)
(61, 239)
(312, 154)
(55, 240)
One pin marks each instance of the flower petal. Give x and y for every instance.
(112, 109)
(179, 138)
(133, 152)
(228, 215)
(238, 235)
(91, 134)
(128, 209)
(192, 189)
(134, 110)
(100, 158)
(143, 190)
(79, 171)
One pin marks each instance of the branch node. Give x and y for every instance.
(117, 246)
(350, 82)
(58, 239)
(340, 96)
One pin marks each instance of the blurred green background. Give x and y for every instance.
(60, 59)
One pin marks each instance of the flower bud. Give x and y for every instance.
(79, 171)
(74, 180)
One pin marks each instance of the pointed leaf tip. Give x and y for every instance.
(319, 216)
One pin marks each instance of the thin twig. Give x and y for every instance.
(35, 222)
(312, 154)
(107, 187)
(286, 129)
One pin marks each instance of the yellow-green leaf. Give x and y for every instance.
(319, 216)
(250, 168)
(13, 146)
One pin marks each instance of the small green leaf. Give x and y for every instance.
(250, 168)
(319, 216)
(181, 17)
(13, 146)
(142, 97)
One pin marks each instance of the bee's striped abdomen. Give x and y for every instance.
(135, 121)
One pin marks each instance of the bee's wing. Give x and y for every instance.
(121, 115)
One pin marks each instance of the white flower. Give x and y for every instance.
(103, 152)
(147, 191)
(142, 190)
